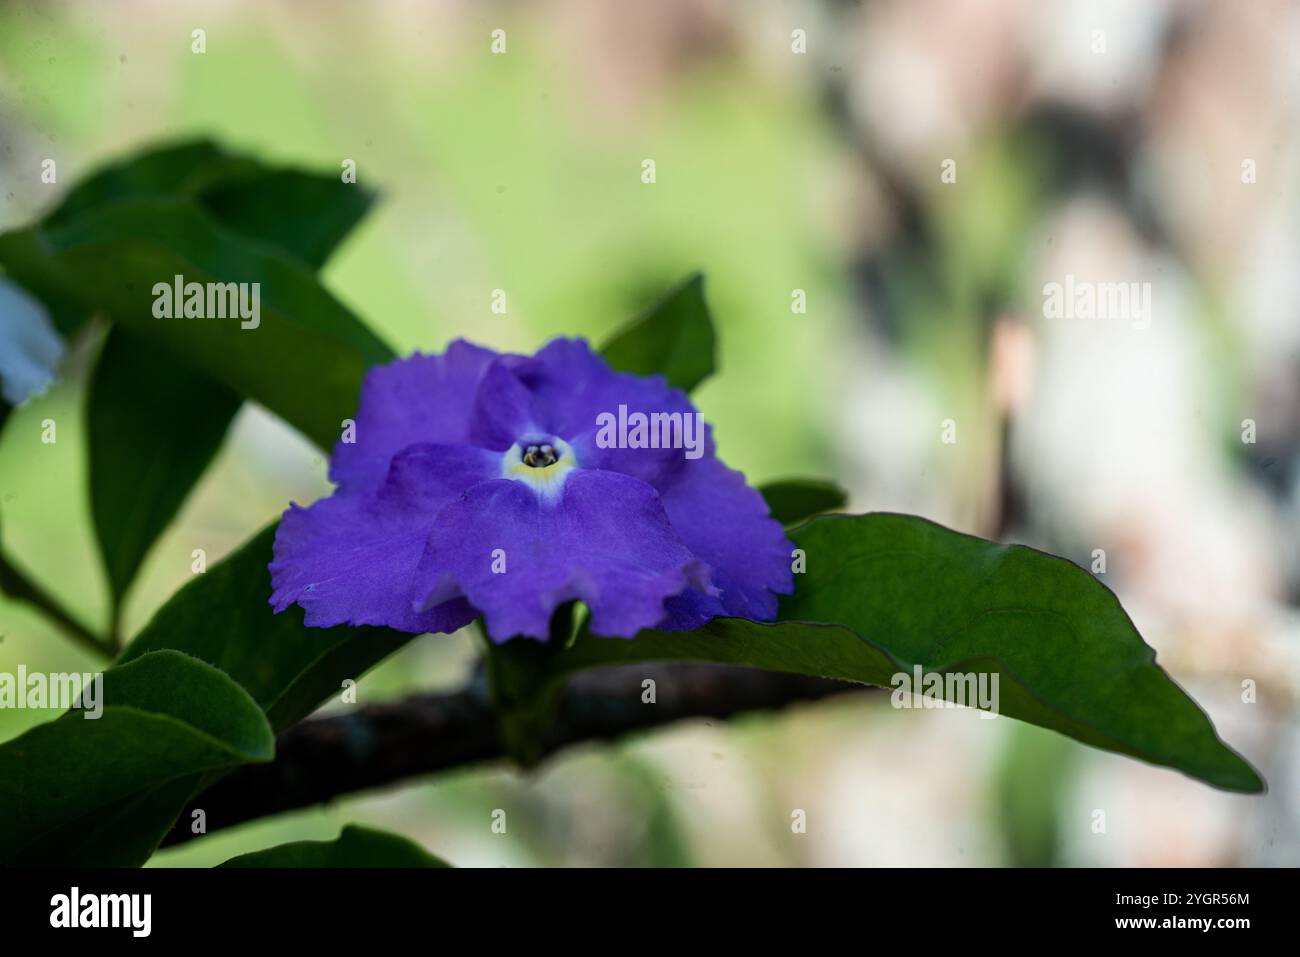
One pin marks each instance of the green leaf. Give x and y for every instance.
(139, 476)
(165, 716)
(305, 359)
(27, 260)
(356, 846)
(124, 833)
(153, 425)
(173, 169)
(794, 500)
(302, 213)
(883, 593)
(673, 339)
(305, 214)
(223, 617)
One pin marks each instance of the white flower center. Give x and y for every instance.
(542, 463)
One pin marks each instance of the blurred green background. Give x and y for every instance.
(1105, 141)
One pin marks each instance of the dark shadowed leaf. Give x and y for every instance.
(356, 847)
(673, 339)
(883, 593)
(794, 500)
(123, 833)
(153, 425)
(165, 716)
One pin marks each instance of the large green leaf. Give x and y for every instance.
(305, 214)
(123, 833)
(883, 593)
(154, 421)
(223, 617)
(172, 169)
(304, 361)
(192, 209)
(165, 716)
(153, 426)
(794, 500)
(25, 258)
(302, 213)
(356, 846)
(673, 338)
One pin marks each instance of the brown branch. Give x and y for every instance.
(325, 758)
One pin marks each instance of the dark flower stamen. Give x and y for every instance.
(540, 456)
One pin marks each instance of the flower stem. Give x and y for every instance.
(524, 688)
(17, 585)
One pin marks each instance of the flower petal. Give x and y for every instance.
(428, 527)
(503, 409)
(572, 386)
(605, 541)
(30, 346)
(728, 525)
(418, 399)
(351, 558)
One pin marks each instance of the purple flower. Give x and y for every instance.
(505, 485)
